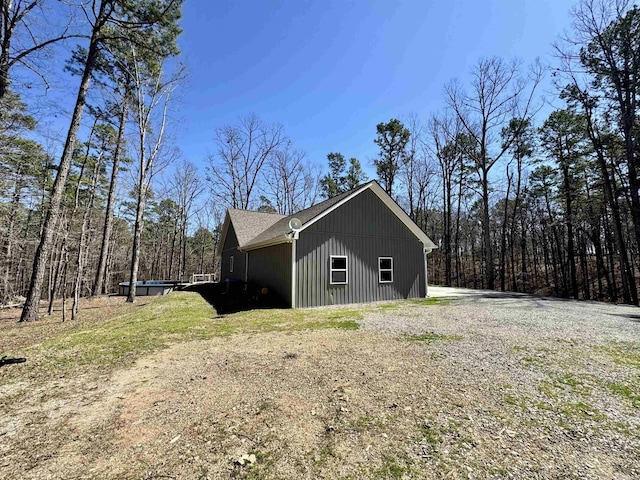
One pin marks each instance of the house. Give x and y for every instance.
(357, 247)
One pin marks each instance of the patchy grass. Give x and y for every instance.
(628, 392)
(532, 357)
(548, 389)
(430, 434)
(622, 353)
(383, 307)
(426, 302)
(393, 467)
(581, 410)
(119, 333)
(134, 330)
(177, 317)
(312, 399)
(277, 320)
(432, 337)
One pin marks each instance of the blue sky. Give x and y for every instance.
(329, 71)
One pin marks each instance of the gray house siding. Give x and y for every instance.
(363, 229)
(230, 248)
(271, 267)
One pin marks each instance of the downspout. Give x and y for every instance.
(427, 251)
(246, 268)
(293, 272)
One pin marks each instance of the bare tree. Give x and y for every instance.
(600, 62)
(23, 34)
(186, 187)
(152, 91)
(289, 183)
(445, 144)
(414, 169)
(242, 152)
(122, 77)
(498, 93)
(604, 42)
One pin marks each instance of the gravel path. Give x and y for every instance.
(565, 375)
(517, 315)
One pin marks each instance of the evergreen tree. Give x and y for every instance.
(392, 138)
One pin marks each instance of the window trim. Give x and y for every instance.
(380, 270)
(345, 270)
(231, 264)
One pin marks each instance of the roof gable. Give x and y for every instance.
(247, 225)
(281, 228)
(280, 231)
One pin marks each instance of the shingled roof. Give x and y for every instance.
(249, 224)
(258, 229)
(281, 227)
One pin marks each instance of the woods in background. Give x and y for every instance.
(516, 194)
(534, 204)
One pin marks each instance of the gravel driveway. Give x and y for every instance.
(565, 376)
(519, 316)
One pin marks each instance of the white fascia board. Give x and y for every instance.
(223, 234)
(266, 243)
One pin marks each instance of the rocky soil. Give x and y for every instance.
(476, 386)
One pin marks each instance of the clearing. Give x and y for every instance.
(464, 385)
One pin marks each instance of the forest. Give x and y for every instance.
(518, 195)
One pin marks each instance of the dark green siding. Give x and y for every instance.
(271, 267)
(230, 248)
(363, 229)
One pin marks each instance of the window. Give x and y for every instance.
(338, 270)
(385, 269)
(231, 264)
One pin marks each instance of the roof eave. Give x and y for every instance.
(267, 243)
(223, 233)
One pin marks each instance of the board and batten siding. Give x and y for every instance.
(363, 229)
(230, 248)
(271, 267)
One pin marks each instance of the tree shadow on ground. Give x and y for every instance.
(235, 297)
(633, 317)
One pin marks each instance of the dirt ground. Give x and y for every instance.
(468, 388)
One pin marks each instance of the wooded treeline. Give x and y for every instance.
(526, 194)
(518, 193)
(116, 201)
(525, 197)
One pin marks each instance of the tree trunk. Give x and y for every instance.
(486, 233)
(503, 240)
(172, 250)
(573, 283)
(65, 258)
(584, 265)
(99, 284)
(137, 236)
(54, 277)
(184, 249)
(523, 242)
(8, 250)
(629, 290)
(82, 240)
(447, 234)
(456, 242)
